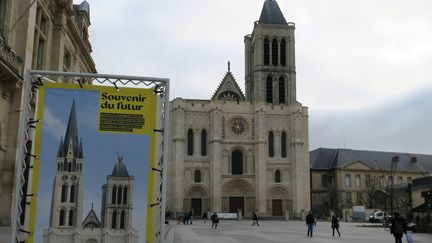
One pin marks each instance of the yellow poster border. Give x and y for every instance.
(40, 103)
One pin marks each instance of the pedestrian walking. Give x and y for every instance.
(310, 222)
(190, 216)
(255, 219)
(215, 220)
(335, 224)
(205, 217)
(398, 227)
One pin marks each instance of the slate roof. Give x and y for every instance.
(326, 159)
(120, 169)
(271, 14)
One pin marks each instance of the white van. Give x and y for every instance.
(378, 216)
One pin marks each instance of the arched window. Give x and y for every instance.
(197, 176)
(72, 194)
(283, 52)
(266, 52)
(62, 217)
(69, 166)
(58, 167)
(190, 142)
(63, 193)
(271, 144)
(119, 195)
(269, 90)
(80, 167)
(74, 166)
(275, 52)
(277, 176)
(281, 90)
(203, 142)
(283, 145)
(125, 192)
(122, 219)
(237, 162)
(114, 220)
(71, 216)
(113, 195)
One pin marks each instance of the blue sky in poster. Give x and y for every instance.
(100, 155)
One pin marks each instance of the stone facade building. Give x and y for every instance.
(247, 152)
(41, 34)
(66, 225)
(343, 178)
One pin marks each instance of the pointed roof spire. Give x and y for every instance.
(120, 169)
(271, 14)
(60, 149)
(71, 135)
(229, 66)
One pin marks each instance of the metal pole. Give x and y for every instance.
(393, 165)
(165, 162)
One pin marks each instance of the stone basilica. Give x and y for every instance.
(243, 152)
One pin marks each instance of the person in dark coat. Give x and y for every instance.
(335, 224)
(310, 222)
(215, 220)
(398, 227)
(205, 217)
(255, 219)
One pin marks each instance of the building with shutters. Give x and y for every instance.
(343, 178)
(244, 152)
(34, 34)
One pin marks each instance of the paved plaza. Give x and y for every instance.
(278, 231)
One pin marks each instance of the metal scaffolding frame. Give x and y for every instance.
(35, 79)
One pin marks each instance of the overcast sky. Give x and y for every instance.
(364, 68)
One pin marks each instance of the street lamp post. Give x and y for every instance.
(393, 166)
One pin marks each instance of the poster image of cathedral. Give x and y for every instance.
(92, 185)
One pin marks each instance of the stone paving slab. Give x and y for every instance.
(279, 231)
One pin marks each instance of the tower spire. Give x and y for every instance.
(71, 136)
(271, 14)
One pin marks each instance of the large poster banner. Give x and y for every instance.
(95, 145)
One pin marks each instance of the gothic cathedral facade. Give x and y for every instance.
(244, 152)
(66, 222)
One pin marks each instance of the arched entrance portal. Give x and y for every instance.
(196, 199)
(279, 201)
(238, 195)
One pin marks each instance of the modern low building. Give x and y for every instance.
(343, 178)
(43, 35)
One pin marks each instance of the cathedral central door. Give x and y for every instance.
(277, 207)
(196, 206)
(236, 203)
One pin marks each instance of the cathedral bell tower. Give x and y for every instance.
(270, 73)
(117, 200)
(67, 198)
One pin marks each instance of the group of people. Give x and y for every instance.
(398, 224)
(310, 222)
(186, 218)
(398, 227)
